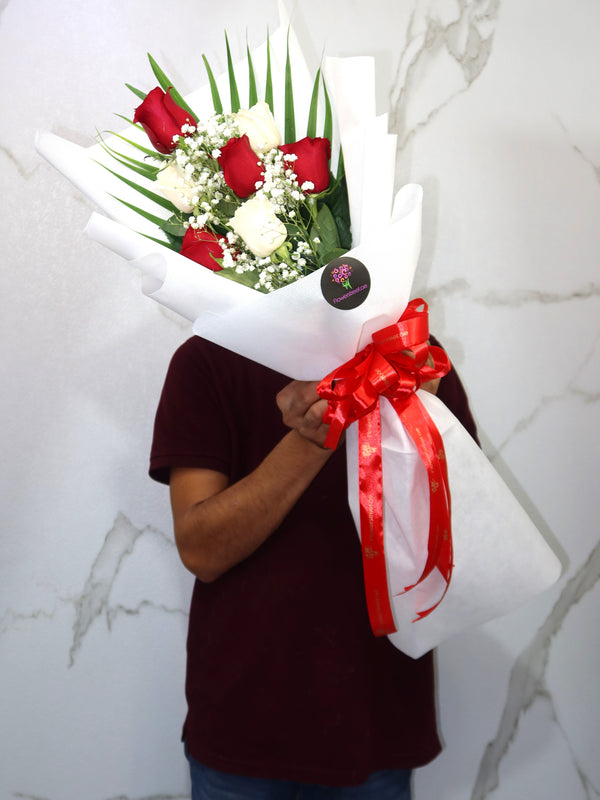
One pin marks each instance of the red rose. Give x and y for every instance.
(203, 247)
(241, 167)
(312, 162)
(161, 118)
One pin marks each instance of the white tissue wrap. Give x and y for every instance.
(500, 558)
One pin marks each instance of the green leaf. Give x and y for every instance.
(335, 253)
(227, 208)
(166, 83)
(233, 90)
(147, 150)
(290, 120)
(252, 93)
(341, 171)
(171, 244)
(337, 201)
(269, 80)
(137, 92)
(293, 230)
(174, 227)
(218, 105)
(328, 126)
(311, 127)
(245, 278)
(159, 199)
(158, 221)
(129, 121)
(135, 166)
(326, 230)
(115, 153)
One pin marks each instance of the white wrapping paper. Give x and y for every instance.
(294, 331)
(500, 558)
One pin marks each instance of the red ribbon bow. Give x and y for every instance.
(397, 362)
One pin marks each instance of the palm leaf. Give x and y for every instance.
(158, 221)
(233, 90)
(290, 120)
(216, 98)
(137, 92)
(166, 83)
(311, 127)
(328, 125)
(269, 80)
(156, 198)
(252, 93)
(147, 150)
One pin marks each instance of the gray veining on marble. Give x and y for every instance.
(588, 160)
(115, 611)
(94, 599)
(514, 298)
(455, 41)
(527, 678)
(572, 390)
(25, 172)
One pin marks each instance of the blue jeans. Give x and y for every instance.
(208, 784)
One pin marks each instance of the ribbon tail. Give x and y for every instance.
(370, 481)
(430, 446)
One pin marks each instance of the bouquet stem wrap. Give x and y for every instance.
(395, 364)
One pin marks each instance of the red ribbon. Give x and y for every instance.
(393, 365)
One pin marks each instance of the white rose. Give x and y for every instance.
(259, 126)
(173, 183)
(258, 226)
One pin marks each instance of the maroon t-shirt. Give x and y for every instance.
(285, 679)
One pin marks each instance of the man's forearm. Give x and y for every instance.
(218, 532)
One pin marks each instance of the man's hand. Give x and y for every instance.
(431, 386)
(302, 410)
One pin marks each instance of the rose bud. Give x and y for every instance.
(241, 168)
(259, 126)
(258, 226)
(202, 247)
(162, 119)
(312, 162)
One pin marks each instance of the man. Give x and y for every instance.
(290, 695)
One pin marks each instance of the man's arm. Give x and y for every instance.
(219, 525)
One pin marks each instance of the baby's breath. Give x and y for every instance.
(197, 153)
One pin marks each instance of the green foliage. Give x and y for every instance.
(324, 217)
(337, 201)
(216, 98)
(137, 92)
(252, 93)
(311, 126)
(159, 199)
(233, 90)
(290, 118)
(245, 278)
(269, 80)
(166, 83)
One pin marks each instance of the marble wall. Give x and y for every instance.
(496, 106)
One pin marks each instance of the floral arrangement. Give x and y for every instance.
(243, 203)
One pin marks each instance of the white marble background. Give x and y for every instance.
(496, 104)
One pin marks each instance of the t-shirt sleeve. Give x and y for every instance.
(189, 427)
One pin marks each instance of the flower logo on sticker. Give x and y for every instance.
(345, 283)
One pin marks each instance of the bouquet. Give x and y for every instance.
(319, 304)
(242, 203)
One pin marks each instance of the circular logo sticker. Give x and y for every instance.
(345, 283)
